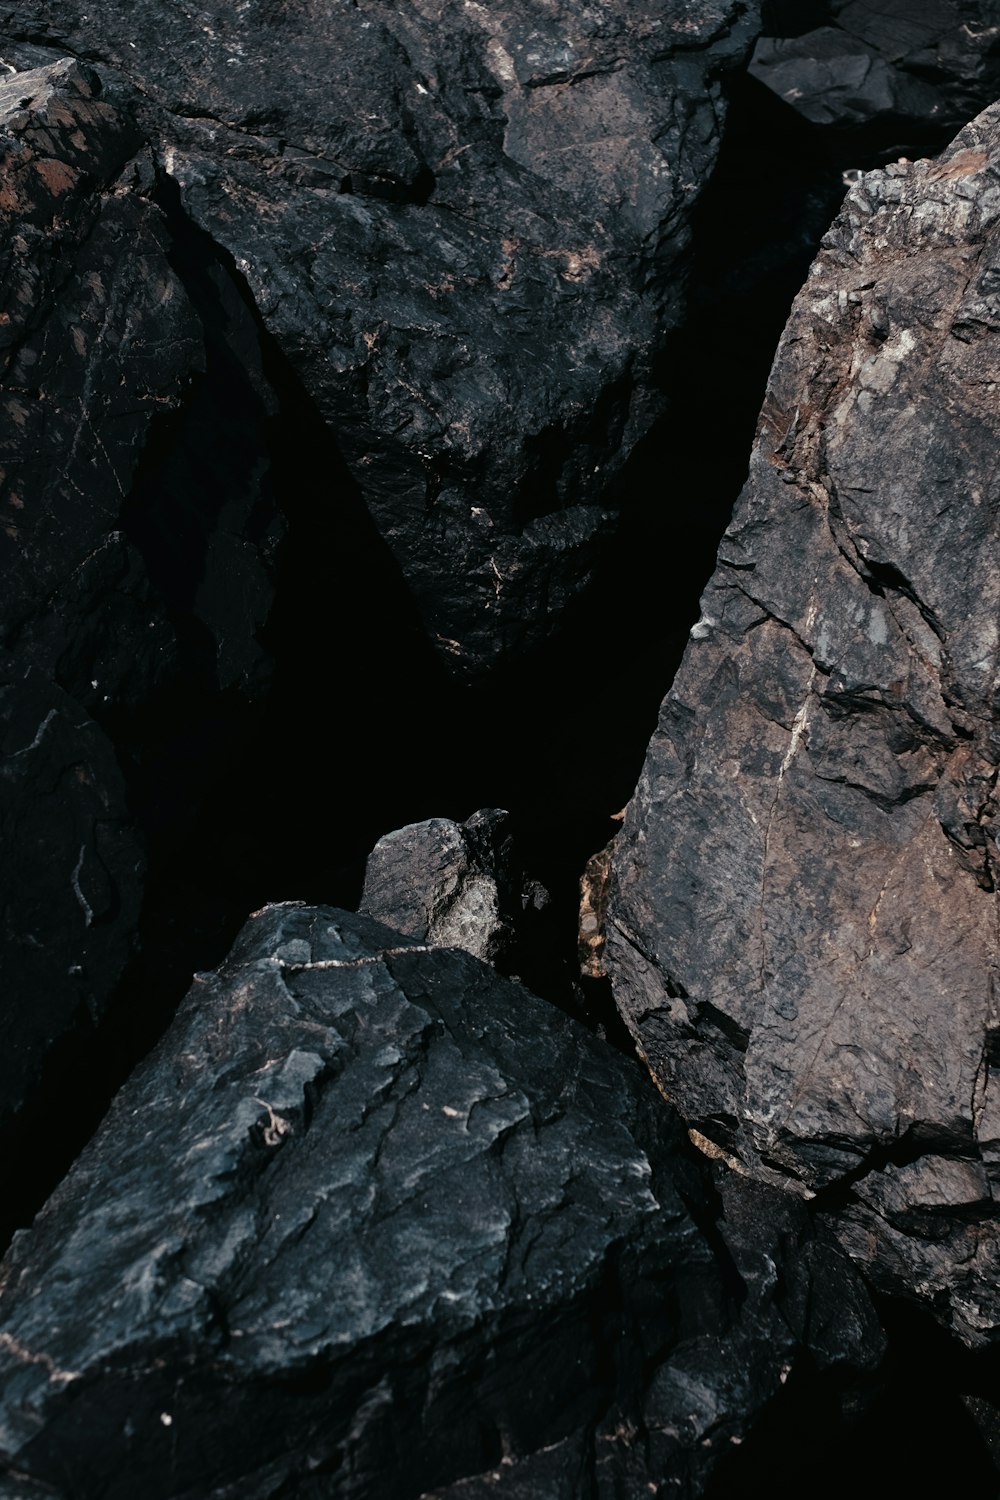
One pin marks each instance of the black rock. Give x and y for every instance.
(71, 880)
(802, 924)
(466, 226)
(372, 1220)
(135, 549)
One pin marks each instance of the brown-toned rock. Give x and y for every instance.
(803, 926)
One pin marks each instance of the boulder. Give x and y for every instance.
(466, 226)
(802, 926)
(105, 359)
(70, 883)
(372, 1221)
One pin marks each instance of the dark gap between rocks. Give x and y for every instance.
(931, 1397)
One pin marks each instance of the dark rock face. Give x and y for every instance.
(135, 575)
(447, 884)
(802, 930)
(897, 66)
(372, 1220)
(466, 227)
(101, 345)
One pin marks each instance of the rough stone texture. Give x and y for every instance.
(100, 346)
(803, 925)
(448, 884)
(372, 1220)
(466, 226)
(902, 64)
(592, 928)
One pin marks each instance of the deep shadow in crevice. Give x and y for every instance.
(874, 1441)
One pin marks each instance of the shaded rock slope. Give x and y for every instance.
(466, 226)
(371, 1221)
(802, 925)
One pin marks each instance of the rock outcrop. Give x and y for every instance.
(372, 1220)
(466, 226)
(802, 931)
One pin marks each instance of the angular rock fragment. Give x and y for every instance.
(802, 931)
(448, 884)
(592, 926)
(466, 227)
(371, 1221)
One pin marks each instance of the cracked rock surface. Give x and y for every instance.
(373, 1221)
(466, 227)
(802, 930)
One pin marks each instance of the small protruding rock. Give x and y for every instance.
(447, 884)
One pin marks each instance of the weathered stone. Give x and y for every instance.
(592, 929)
(449, 884)
(466, 227)
(100, 346)
(802, 930)
(373, 1220)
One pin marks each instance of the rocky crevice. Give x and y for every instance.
(469, 669)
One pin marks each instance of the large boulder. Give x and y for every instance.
(466, 226)
(372, 1220)
(802, 929)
